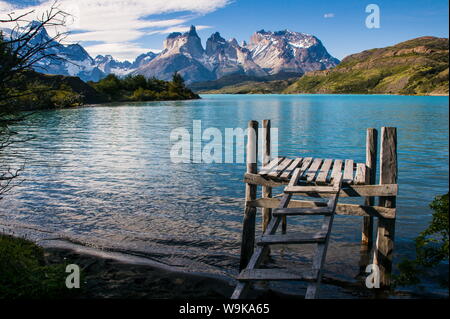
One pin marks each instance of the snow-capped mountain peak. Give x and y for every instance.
(289, 51)
(266, 53)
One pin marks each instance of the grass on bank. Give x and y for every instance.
(24, 273)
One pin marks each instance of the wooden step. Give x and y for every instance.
(292, 238)
(275, 274)
(311, 189)
(302, 211)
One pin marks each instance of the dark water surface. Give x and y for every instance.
(103, 175)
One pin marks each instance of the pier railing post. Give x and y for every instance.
(386, 227)
(266, 191)
(371, 164)
(248, 230)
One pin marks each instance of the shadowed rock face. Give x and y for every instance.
(164, 68)
(188, 44)
(227, 57)
(183, 53)
(74, 60)
(107, 64)
(287, 51)
(267, 53)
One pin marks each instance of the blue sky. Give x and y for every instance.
(125, 28)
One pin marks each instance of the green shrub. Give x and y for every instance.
(132, 83)
(63, 99)
(110, 86)
(431, 246)
(25, 274)
(138, 88)
(142, 94)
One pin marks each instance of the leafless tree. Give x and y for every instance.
(20, 50)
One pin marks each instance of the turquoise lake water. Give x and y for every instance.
(103, 175)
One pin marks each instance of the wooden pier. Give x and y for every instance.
(317, 178)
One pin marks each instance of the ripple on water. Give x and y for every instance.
(103, 174)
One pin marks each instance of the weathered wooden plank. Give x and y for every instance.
(361, 210)
(262, 180)
(337, 168)
(290, 170)
(310, 189)
(348, 171)
(342, 209)
(242, 288)
(266, 190)
(360, 176)
(312, 171)
(273, 164)
(292, 238)
(386, 227)
(295, 176)
(265, 142)
(276, 172)
(347, 190)
(322, 177)
(302, 211)
(359, 191)
(305, 165)
(275, 274)
(248, 225)
(371, 167)
(321, 248)
(294, 180)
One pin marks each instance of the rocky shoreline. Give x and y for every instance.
(107, 274)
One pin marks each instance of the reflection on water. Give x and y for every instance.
(103, 174)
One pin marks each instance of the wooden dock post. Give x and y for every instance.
(248, 230)
(386, 227)
(266, 190)
(371, 165)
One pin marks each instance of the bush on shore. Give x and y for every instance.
(432, 247)
(24, 272)
(138, 88)
(32, 91)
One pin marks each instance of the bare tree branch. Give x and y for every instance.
(21, 49)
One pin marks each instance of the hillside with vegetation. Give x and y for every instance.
(253, 87)
(245, 84)
(138, 88)
(415, 67)
(30, 90)
(22, 88)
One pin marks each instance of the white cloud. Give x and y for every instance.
(328, 15)
(121, 21)
(120, 50)
(106, 36)
(179, 28)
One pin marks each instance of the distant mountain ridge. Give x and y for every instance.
(417, 66)
(287, 51)
(267, 53)
(76, 61)
(107, 64)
